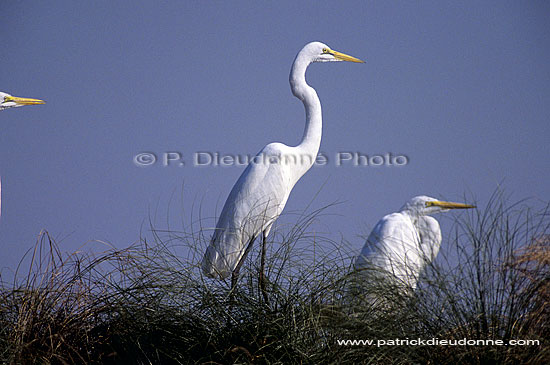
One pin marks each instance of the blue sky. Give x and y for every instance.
(461, 89)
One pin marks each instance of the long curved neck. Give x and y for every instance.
(311, 140)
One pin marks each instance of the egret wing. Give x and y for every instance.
(392, 248)
(255, 201)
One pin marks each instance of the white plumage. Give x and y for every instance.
(261, 192)
(403, 243)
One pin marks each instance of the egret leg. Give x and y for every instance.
(235, 274)
(261, 276)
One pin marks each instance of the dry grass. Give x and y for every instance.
(149, 305)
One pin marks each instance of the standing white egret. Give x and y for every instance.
(403, 243)
(261, 192)
(8, 101)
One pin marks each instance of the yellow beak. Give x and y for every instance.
(24, 101)
(449, 205)
(345, 57)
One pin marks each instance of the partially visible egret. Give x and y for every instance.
(261, 192)
(8, 101)
(403, 243)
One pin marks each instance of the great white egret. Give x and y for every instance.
(8, 101)
(403, 243)
(261, 192)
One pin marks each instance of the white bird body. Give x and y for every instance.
(403, 243)
(261, 192)
(256, 200)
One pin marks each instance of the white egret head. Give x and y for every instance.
(8, 101)
(425, 205)
(320, 52)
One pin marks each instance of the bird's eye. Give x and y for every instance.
(325, 50)
(429, 204)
